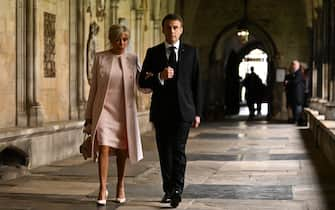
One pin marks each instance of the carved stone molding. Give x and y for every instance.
(49, 62)
(90, 50)
(21, 96)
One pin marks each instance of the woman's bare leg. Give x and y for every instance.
(121, 157)
(103, 171)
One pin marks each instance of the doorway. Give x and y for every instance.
(258, 60)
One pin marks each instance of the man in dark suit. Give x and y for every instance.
(171, 70)
(297, 83)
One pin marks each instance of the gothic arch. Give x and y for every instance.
(225, 55)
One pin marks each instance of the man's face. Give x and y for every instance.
(295, 65)
(172, 30)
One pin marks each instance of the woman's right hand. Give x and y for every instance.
(87, 126)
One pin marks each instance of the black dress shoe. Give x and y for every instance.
(166, 198)
(175, 199)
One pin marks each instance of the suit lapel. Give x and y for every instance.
(180, 56)
(163, 54)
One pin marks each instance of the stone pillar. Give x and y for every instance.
(107, 22)
(314, 81)
(325, 80)
(156, 22)
(114, 7)
(74, 112)
(80, 59)
(139, 32)
(157, 31)
(111, 18)
(171, 6)
(35, 110)
(139, 13)
(330, 107)
(21, 97)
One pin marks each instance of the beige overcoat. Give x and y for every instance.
(100, 80)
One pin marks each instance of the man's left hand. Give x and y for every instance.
(196, 122)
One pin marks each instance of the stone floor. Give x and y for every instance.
(235, 165)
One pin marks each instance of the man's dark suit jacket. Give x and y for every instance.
(179, 99)
(298, 84)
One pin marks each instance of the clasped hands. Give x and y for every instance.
(167, 73)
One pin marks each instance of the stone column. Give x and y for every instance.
(325, 81)
(80, 59)
(21, 97)
(171, 6)
(156, 22)
(35, 110)
(107, 22)
(111, 18)
(139, 13)
(74, 112)
(314, 81)
(114, 7)
(139, 32)
(330, 107)
(157, 31)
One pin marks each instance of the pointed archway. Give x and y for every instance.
(226, 54)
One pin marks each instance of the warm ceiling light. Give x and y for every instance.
(244, 35)
(242, 30)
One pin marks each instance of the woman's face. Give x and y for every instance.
(120, 44)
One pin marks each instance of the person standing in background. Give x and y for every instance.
(254, 92)
(297, 84)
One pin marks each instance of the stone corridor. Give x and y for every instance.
(235, 165)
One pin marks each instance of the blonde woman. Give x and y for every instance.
(111, 115)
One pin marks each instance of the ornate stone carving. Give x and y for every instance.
(49, 45)
(90, 50)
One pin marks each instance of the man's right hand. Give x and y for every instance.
(167, 73)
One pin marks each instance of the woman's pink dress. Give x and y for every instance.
(111, 128)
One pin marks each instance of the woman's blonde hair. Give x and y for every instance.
(116, 30)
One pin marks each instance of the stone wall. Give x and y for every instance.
(53, 92)
(43, 145)
(43, 83)
(7, 63)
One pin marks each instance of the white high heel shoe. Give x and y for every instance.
(102, 202)
(120, 200)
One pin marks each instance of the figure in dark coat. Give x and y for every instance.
(297, 88)
(254, 92)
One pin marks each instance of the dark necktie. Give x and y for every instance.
(172, 58)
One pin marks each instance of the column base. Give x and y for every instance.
(330, 111)
(35, 116)
(21, 119)
(82, 110)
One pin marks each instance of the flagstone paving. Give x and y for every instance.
(231, 166)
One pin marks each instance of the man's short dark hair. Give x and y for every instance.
(173, 17)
